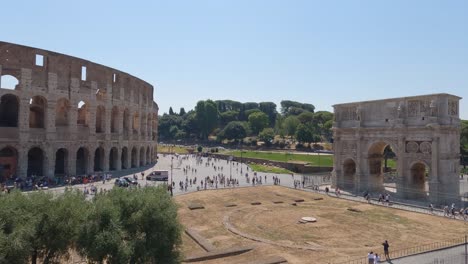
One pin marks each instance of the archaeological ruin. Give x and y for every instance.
(61, 115)
(420, 133)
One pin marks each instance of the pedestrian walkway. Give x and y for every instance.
(454, 255)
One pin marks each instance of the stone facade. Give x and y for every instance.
(423, 132)
(65, 115)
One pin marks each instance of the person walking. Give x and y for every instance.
(385, 248)
(370, 257)
(376, 258)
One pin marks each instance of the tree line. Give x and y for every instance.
(120, 226)
(232, 121)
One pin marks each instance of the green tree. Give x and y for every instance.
(227, 117)
(464, 141)
(258, 121)
(286, 104)
(207, 117)
(267, 135)
(304, 134)
(165, 124)
(182, 111)
(234, 130)
(306, 117)
(39, 226)
(308, 107)
(290, 124)
(171, 112)
(269, 108)
(132, 226)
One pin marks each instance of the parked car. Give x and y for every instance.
(121, 183)
(130, 180)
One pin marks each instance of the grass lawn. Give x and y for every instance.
(270, 169)
(315, 160)
(174, 149)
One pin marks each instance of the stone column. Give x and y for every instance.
(434, 180)
(92, 119)
(26, 79)
(358, 175)
(22, 166)
(50, 115)
(400, 159)
(107, 122)
(49, 162)
(52, 81)
(71, 162)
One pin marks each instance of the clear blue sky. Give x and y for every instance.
(319, 52)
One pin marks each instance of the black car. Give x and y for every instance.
(121, 183)
(130, 180)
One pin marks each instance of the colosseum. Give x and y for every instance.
(61, 115)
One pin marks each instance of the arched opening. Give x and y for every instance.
(9, 108)
(136, 123)
(99, 159)
(37, 112)
(113, 158)
(62, 112)
(8, 163)
(35, 162)
(114, 120)
(142, 156)
(124, 158)
(83, 114)
(61, 162)
(8, 82)
(349, 173)
(82, 157)
(382, 166)
(417, 182)
(134, 158)
(100, 119)
(148, 155)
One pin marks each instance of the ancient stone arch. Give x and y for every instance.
(422, 131)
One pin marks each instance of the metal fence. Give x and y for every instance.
(405, 252)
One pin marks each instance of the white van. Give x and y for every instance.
(158, 175)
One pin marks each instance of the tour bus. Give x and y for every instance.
(158, 175)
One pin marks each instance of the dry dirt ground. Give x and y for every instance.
(338, 235)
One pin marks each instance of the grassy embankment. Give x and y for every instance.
(172, 149)
(314, 160)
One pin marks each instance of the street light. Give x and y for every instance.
(172, 176)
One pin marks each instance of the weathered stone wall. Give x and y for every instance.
(423, 132)
(61, 104)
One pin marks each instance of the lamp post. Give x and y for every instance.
(172, 176)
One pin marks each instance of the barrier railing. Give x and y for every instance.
(405, 252)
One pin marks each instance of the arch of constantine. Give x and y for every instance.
(421, 132)
(61, 115)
